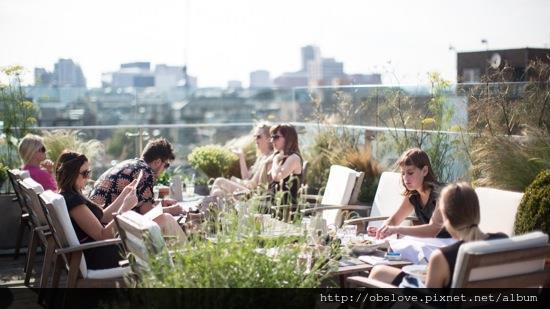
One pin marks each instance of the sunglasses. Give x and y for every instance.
(274, 137)
(166, 165)
(42, 149)
(86, 173)
(258, 136)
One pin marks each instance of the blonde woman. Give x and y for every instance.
(460, 210)
(257, 174)
(33, 154)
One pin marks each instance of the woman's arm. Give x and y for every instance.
(291, 166)
(425, 230)
(387, 227)
(439, 275)
(118, 202)
(86, 220)
(245, 173)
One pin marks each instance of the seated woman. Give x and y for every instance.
(286, 166)
(33, 154)
(253, 177)
(460, 210)
(421, 195)
(91, 222)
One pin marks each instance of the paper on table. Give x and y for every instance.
(418, 250)
(153, 213)
(373, 260)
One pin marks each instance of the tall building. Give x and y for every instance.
(168, 77)
(135, 74)
(42, 78)
(310, 53)
(68, 74)
(260, 79)
(332, 71)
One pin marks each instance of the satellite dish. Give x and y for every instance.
(495, 61)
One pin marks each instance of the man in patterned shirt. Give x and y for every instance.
(155, 158)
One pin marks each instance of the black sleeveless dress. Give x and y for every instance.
(424, 212)
(289, 186)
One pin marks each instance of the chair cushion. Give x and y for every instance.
(33, 185)
(68, 238)
(340, 184)
(498, 210)
(20, 174)
(388, 196)
(142, 223)
(109, 273)
(522, 242)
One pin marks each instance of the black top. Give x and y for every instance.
(451, 252)
(424, 212)
(96, 258)
(290, 184)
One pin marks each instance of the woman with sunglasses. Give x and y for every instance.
(286, 167)
(33, 155)
(254, 176)
(90, 221)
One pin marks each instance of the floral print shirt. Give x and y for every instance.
(109, 185)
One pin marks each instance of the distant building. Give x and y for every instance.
(42, 78)
(68, 74)
(169, 77)
(310, 53)
(135, 74)
(332, 71)
(292, 79)
(364, 79)
(260, 79)
(234, 84)
(472, 66)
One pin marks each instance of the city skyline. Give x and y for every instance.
(227, 41)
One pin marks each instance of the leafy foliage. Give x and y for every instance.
(215, 161)
(534, 211)
(59, 140)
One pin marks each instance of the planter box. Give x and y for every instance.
(10, 218)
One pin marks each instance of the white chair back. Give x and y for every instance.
(141, 237)
(388, 197)
(498, 210)
(523, 242)
(63, 229)
(338, 191)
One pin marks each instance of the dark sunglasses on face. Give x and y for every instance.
(42, 149)
(258, 136)
(166, 165)
(274, 137)
(86, 173)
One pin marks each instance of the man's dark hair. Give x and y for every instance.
(158, 148)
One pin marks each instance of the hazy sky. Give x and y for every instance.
(228, 39)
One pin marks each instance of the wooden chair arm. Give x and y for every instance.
(370, 219)
(90, 245)
(361, 281)
(332, 207)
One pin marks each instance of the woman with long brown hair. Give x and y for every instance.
(421, 196)
(91, 222)
(286, 167)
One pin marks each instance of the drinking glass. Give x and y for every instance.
(156, 190)
(190, 188)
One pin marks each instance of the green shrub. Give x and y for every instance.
(215, 161)
(3, 173)
(534, 210)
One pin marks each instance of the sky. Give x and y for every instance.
(226, 40)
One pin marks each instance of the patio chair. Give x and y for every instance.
(387, 200)
(341, 192)
(69, 252)
(40, 233)
(516, 262)
(141, 239)
(498, 209)
(14, 175)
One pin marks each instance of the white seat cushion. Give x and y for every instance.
(522, 242)
(33, 185)
(109, 273)
(498, 210)
(340, 184)
(388, 196)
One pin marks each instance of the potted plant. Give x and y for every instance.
(214, 160)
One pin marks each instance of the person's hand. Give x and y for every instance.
(129, 187)
(385, 231)
(168, 202)
(238, 151)
(130, 201)
(47, 165)
(279, 157)
(372, 230)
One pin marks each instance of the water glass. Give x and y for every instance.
(190, 188)
(156, 190)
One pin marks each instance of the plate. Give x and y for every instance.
(416, 270)
(190, 198)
